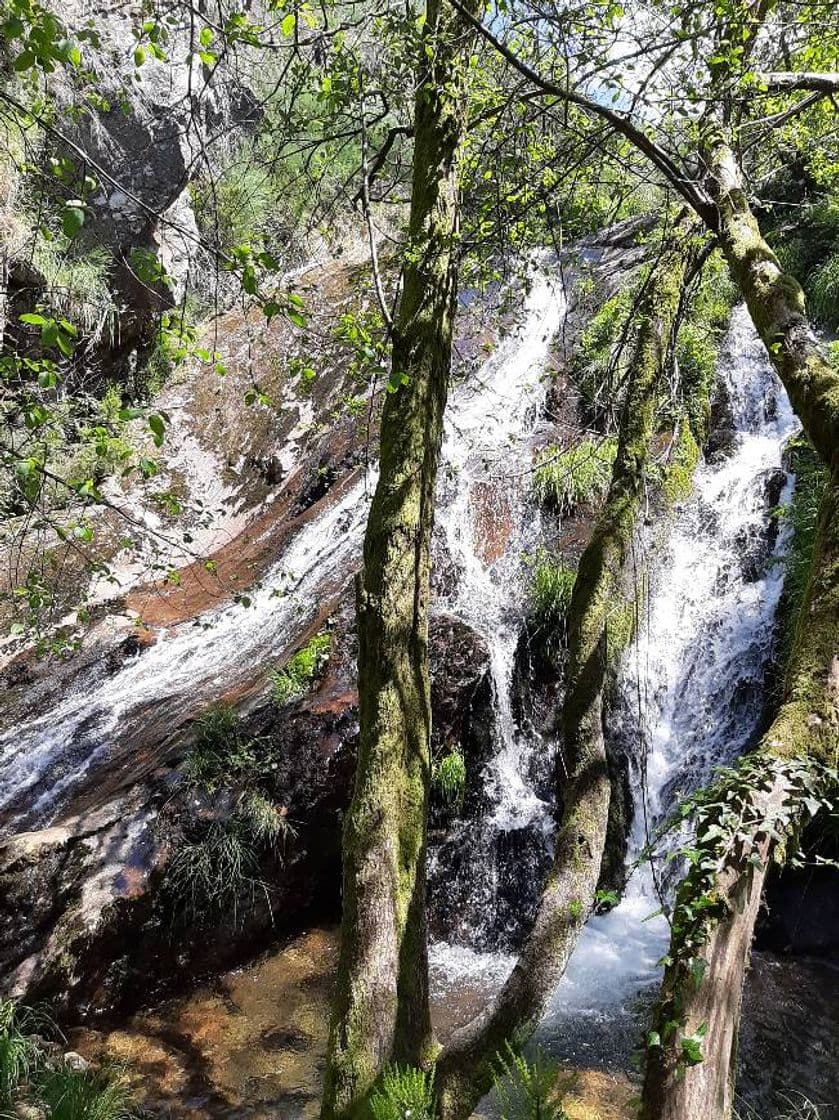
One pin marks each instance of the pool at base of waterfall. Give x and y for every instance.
(252, 1044)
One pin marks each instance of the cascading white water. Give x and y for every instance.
(43, 758)
(486, 524)
(692, 689)
(185, 669)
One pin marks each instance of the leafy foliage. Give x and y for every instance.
(220, 752)
(404, 1093)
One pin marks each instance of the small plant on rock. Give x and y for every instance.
(293, 680)
(566, 479)
(220, 750)
(404, 1093)
(551, 586)
(448, 778)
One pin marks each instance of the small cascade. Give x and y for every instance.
(43, 759)
(692, 697)
(112, 720)
(486, 526)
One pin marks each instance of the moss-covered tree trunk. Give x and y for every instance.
(381, 1011)
(807, 726)
(706, 999)
(775, 302)
(464, 1072)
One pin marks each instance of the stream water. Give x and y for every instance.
(691, 688)
(692, 697)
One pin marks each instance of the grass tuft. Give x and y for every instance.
(552, 583)
(72, 1094)
(565, 480)
(448, 778)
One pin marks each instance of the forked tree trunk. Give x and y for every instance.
(380, 1011)
(464, 1072)
(806, 729)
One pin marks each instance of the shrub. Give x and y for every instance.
(527, 1090)
(594, 365)
(566, 479)
(73, 1094)
(552, 583)
(404, 1093)
(448, 778)
(292, 681)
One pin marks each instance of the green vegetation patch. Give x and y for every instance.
(564, 480)
(448, 778)
(678, 474)
(528, 1090)
(802, 515)
(551, 586)
(221, 752)
(403, 1093)
(32, 1081)
(293, 680)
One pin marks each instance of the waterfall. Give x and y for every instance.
(691, 697)
(108, 720)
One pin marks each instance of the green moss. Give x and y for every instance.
(566, 479)
(293, 680)
(620, 629)
(678, 474)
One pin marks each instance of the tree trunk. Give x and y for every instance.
(381, 1011)
(776, 305)
(806, 730)
(464, 1072)
(807, 725)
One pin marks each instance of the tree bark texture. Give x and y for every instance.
(380, 1011)
(464, 1072)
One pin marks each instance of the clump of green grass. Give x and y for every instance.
(90, 1094)
(404, 1093)
(551, 586)
(566, 479)
(448, 778)
(595, 365)
(527, 1090)
(220, 751)
(19, 1051)
(293, 680)
(824, 291)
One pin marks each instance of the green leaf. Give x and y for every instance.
(158, 428)
(288, 23)
(72, 219)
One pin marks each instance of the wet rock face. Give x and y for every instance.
(95, 917)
